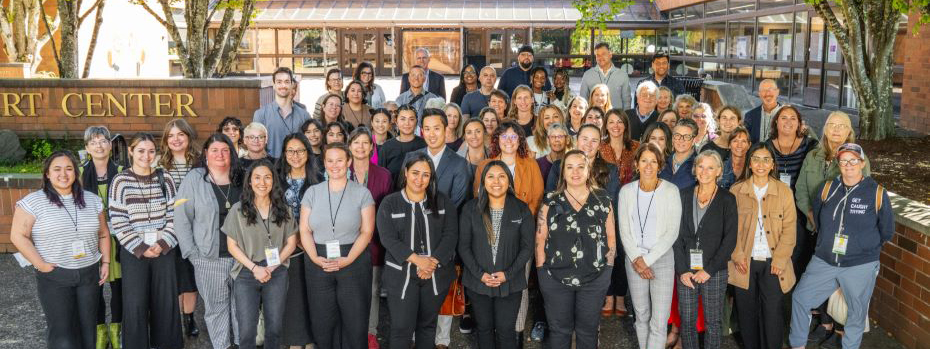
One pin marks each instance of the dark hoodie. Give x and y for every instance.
(851, 210)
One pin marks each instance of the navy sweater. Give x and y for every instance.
(851, 211)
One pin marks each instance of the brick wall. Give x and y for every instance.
(915, 111)
(10, 192)
(901, 300)
(210, 99)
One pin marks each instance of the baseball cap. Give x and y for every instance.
(853, 148)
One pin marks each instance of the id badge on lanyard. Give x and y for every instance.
(697, 259)
(785, 178)
(840, 241)
(150, 237)
(272, 256)
(333, 250)
(77, 250)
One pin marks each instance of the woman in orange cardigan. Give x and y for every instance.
(508, 144)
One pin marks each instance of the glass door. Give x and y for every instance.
(813, 90)
(350, 52)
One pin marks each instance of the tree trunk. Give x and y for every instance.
(231, 51)
(68, 67)
(196, 15)
(93, 40)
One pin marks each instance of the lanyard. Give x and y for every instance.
(642, 223)
(74, 219)
(267, 225)
(330, 200)
(694, 212)
(288, 122)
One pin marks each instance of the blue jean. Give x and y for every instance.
(270, 297)
(819, 281)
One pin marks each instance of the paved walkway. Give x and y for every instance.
(22, 324)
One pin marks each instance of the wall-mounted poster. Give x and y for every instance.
(762, 47)
(742, 47)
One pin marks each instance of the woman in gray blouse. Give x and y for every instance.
(337, 220)
(261, 235)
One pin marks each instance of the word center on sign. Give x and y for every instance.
(93, 104)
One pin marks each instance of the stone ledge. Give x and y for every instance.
(910, 213)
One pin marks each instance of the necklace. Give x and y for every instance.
(580, 204)
(357, 119)
(782, 147)
(226, 194)
(704, 203)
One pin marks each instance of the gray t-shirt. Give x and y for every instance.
(254, 238)
(325, 209)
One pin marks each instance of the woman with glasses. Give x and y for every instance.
(177, 158)
(356, 111)
(760, 268)
(468, 82)
(374, 94)
(332, 109)
(678, 170)
(333, 84)
(256, 143)
(297, 172)
(703, 115)
(548, 115)
(728, 119)
(560, 142)
(232, 128)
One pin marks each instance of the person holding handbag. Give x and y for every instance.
(495, 242)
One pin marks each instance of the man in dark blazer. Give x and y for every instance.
(643, 113)
(453, 177)
(435, 82)
(758, 120)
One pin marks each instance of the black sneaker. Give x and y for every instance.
(818, 335)
(538, 333)
(466, 325)
(833, 341)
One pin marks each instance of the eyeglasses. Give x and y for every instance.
(682, 137)
(295, 152)
(850, 162)
(255, 138)
(761, 159)
(698, 116)
(511, 138)
(557, 136)
(102, 143)
(837, 126)
(365, 73)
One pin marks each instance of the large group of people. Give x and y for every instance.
(529, 203)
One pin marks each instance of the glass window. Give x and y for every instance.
(676, 41)
(740, 74)
(676, 15)
(496, 50)
(715, 8)
(715, 39)
(714, 70)
(764, 4)
(833, 50)
(797, 86)
(742, 6)
(444, 46)
(388, 52)
(308, 41)
(559, 42)
(692, 69)
(773, 41)
(266, 43)
(816, 43)
(851, 101)
(800, 33)
(781, 75)
(693, 39)
(694, 12)
(662, 40)
(833, 84)
(314, 65)
(517, 40)
(626, 41)
(741, 33)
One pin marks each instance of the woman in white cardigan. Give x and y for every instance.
(650, 213)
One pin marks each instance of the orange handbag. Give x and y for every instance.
(454, 304)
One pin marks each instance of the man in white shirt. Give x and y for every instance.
(606, 73)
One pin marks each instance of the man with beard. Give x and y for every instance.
(519, 74)
(282, 116)
(660, 77)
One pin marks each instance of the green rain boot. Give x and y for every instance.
(115, 341)
(102, 336)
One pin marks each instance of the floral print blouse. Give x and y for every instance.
(577, 242)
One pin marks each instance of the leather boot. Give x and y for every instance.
(115, 331)
(102, 336)
(190, 326)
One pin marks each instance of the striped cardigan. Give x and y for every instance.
(137, 204)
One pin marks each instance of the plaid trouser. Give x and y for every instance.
(713, 292)
(652, 300)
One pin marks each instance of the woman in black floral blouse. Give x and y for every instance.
(575, 250)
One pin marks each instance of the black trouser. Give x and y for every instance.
(495, 318)
(535, 296)
(297, 331)
(761, 316)
(116, 304)
(618, 282)
(416, 313)
(69, 298)
(150, 301)
(574, 309)
(252, 295)
(339, 301)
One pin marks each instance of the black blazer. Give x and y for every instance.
(718, 230)
(437, 84)
(514, 249)
(394, 222)
(637, 128)
(453, 176)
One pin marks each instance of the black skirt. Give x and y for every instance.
(185, 273)
(297, 330)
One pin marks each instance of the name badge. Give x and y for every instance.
(150, 237)
(839, 244)
(697, 260)
(77, 250)
(332, 249)
(272, 256)
(785, 178)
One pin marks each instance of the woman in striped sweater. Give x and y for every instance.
(141, 204)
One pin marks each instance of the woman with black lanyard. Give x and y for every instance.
(62, 231)
(337, 219)
(419, 229)
(297, 171)
(204, 199)
(143, 218)
(575, 250)
(261, 237)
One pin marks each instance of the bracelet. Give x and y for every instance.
(253, 267)
(105, 262)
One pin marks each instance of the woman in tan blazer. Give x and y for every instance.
(508, 144)
(760, 267)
